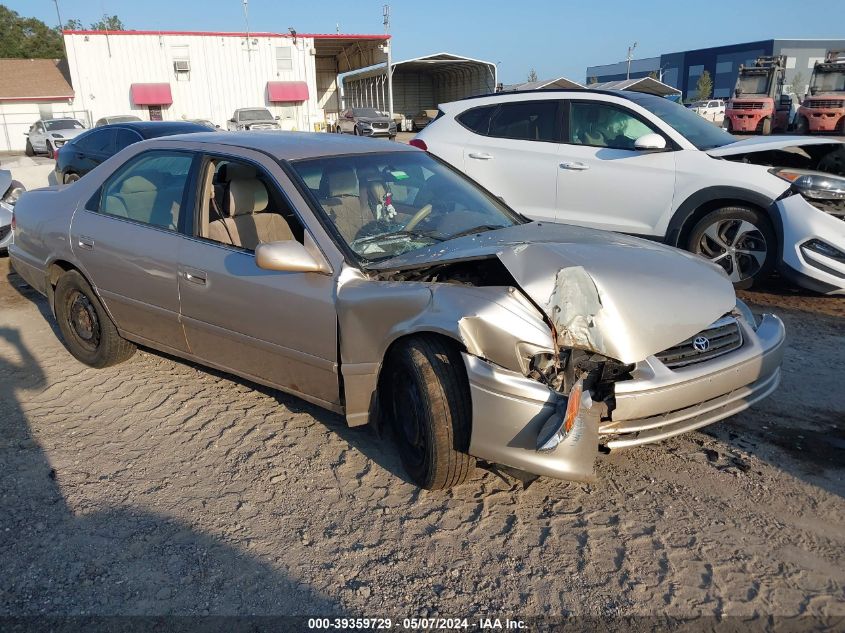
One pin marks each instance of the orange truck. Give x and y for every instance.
(759, 105)
(823, 108)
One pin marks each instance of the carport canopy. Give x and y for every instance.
(337, 53)
(561, 83)
(421, 83)
(648, 85)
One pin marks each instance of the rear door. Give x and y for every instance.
(513, 152)
(602, 181)
(91, 149)
(127, 240)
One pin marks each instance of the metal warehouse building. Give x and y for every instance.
(421, 83)
(683, 69)
(161, 75)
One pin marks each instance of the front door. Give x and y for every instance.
(127, 240)
(602, 181)
(278, 328)
(515, 155)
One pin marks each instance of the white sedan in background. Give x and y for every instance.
(643, 165)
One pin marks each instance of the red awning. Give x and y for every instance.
(151, 94)
(287, 91)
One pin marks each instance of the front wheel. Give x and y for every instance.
(431, 409)
(740, 240)
(87, 331)
(766, 128)
(30, 151)
(802, 126)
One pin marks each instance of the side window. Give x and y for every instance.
(477, 119)
(527, 121)
(603, 125)
(241, 206)
(149, 189)
(125, 138)
(97, 142)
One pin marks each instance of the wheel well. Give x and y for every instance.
(58, 268)
(377, 412)
(711, 205)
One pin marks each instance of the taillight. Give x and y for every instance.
(55, 153)
(418, 143)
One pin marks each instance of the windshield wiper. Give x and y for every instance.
(399, 233)
(476, 229)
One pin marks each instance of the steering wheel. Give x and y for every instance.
(419, 216)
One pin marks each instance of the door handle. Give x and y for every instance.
(574, 166)
(480, 155)
(86, 242)
(195, 276)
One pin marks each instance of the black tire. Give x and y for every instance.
(356, 132)
(87, 331)
(802, 126)
(69, 178)
(746, 253)
(29, 149)
(430, 406)
(392, 138)
(727, 125)
(766, 127)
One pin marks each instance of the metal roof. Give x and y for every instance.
(437, 63)
(546, 84)
(647, 85)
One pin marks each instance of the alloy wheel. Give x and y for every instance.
(736, 245)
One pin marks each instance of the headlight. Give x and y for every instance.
(14, 193)
(747, 315)
(813, 184)
(54, 135)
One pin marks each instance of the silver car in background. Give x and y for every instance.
(376, 281)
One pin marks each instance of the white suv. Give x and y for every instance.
(640, 164)
(712, 110)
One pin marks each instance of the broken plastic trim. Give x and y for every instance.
(558, 427)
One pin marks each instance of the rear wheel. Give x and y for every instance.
(431, 410)
(87, 331)
(740, 240)
(29, 149)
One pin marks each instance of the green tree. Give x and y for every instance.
(73, 25)
(532, 75)
(797, 86)
(108, 23)
(704, 86)
(22, 37)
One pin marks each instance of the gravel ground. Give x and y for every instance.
(160, 487)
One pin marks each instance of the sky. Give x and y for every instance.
(555, 37)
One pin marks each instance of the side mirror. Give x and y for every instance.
(288, 256)
(26, 133)
(277, 117)
(650, 142)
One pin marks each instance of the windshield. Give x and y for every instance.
(255, 115)
(369, 112)
(753, 85)
(63, 124)
(829, 82)
(697, 130)
(391, 203)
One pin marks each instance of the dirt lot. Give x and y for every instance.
(160, 487)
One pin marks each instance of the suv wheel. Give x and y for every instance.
(431, 410)
(740, 240)
(87, 331)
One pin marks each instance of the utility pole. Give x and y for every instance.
(630, 57)
(59, 15)
(388, 44)
(248, 42)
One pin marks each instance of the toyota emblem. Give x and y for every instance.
(701, 343)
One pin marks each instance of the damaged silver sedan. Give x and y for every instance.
(375, 281)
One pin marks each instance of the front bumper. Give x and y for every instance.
(509, 410)
(369, 131)
(746, 120)
(801, 222)
(819, 120)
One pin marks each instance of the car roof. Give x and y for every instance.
(153, 129)
(625, 94)
(296, 145)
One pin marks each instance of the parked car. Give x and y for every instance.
(10, 191)
(712, 110)
(422, 119)
(88, 150)
(253, 119)
(366, 122)
(378, 282)
(45, 135)
(640, 164)
(117, 118)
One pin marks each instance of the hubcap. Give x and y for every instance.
(83, 321)
(737, 246)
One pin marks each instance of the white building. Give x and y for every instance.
(207, 75)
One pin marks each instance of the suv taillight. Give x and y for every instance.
(418, 143)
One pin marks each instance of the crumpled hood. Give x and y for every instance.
(769, 143)
(623, 297)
